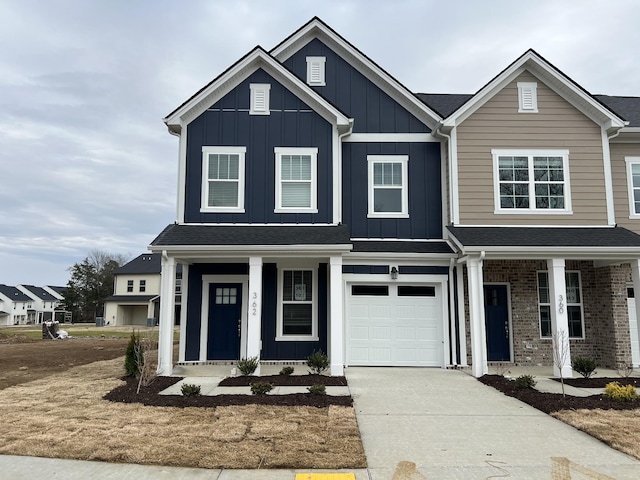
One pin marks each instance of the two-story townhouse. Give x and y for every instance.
(136, 292)
(310, 214)
(540, 189)
(13, 310)
(60, 313)
(43, 304)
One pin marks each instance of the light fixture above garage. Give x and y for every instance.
(394, 273)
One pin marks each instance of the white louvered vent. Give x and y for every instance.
(527, 97)
(259, 98)
(315, 71)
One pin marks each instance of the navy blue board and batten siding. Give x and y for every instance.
(425, 191)
(291, 123)
(372, 109)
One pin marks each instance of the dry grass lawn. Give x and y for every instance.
(617, 428)
(64, 416)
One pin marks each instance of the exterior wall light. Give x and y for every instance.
(394, 273)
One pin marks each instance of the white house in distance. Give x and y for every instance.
(14, 306)
(43, 304)
(136, 296)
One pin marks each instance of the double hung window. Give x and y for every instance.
(388, 186)
(297, 305)
(531, 181)
(223, 179)
(296, 180)
(633, 183)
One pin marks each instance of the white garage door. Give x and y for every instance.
(394, 325)
(633, 328)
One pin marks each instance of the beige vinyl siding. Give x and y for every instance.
(620, 186)
(557, 125)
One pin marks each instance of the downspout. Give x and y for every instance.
(453, 341)
(439, 133)
(338, 194)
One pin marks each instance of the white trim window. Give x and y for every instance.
(573, 304)
(260, 96)
(296, 180)
(527, 97)
(633, 184)
(129, 286)
(315, 71)
(531, 181)
(223, 179)
(388, 186)
(297, 305)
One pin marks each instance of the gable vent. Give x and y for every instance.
(259, 98)
(315, 71)
(527, 97)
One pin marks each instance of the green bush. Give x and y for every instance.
(286, 371)
(585, 366)
(133, 357)
(248, 365)
(261, 388)
(525, 381)
(317, 362)
(615, 391)
(190, 390)
(317, 389)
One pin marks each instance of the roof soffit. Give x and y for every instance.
(232, 77)
(552, 78)
(316, 28)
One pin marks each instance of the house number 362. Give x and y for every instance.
(254, 304)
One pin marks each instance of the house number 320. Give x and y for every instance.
(254, 304)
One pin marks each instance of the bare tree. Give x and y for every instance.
(145, 355)
(560, 343)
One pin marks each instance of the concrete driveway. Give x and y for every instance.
(443, 424)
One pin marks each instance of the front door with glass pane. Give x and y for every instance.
(225, 312)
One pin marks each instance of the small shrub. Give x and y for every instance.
(190, 390)
(261, 388)
(317, 389)
(585, 366)
(615, 391)
(501, 369)
(133, 358)
(248, 365)
(525, 381)
(286, 371)
(317, 362)
(624, 369)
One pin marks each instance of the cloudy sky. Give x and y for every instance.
(86, 162)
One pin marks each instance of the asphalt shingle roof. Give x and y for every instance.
(14, 294)
(145, 263)
(545, 237)
(41, 293)
(443, 103)
(402, 247)
(129, 298)
(175, 235)
(627, 107)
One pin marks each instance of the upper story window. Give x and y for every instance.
(388, 186)
(178, 286)
(315, 71)
(633, 183)
(129, 285)
(531, 181)
(223, 179)
(143, 285)
(527, 97)
(297, 319)
(296, 180)
(259, 98)
(573, 304)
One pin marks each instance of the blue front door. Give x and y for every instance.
(225, 311)
(496, 316)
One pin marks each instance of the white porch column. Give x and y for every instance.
(167, 312)
(184, 289)
(335, 328)
(635, 275)
(475, 281)
(254, 310)
(559, 317)
(462, 326)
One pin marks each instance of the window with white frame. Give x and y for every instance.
(143, 285)
(259, 99)
(223, 179)
(315, 71)
(531, 181)
(297, 306)
(573, 304)
(527, 97)
(296, 177)
(129, 285)
(388, 186)
(633, 183)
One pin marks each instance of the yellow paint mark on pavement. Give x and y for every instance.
(325, 476)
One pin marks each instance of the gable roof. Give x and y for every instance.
(564, 86)
(627, 107)
(145, 263)
(39, 292)
(238, 72)
(316, 28)
(14, 294)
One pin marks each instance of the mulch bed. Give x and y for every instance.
(285, 380)
(151, 396)
(599, 382)
(554, 402)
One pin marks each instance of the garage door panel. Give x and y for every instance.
(359, 333)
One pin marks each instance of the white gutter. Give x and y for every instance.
(453, 172)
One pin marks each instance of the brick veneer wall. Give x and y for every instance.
(604, 303)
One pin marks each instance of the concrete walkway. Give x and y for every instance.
(444, 424)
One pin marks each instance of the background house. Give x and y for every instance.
(43, 305)
(14, 306)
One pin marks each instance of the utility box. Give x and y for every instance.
(151, 322)
(99, 321)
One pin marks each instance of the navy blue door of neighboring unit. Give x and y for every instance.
(225, 310)
(496, 315)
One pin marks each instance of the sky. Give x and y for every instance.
(86, 162)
